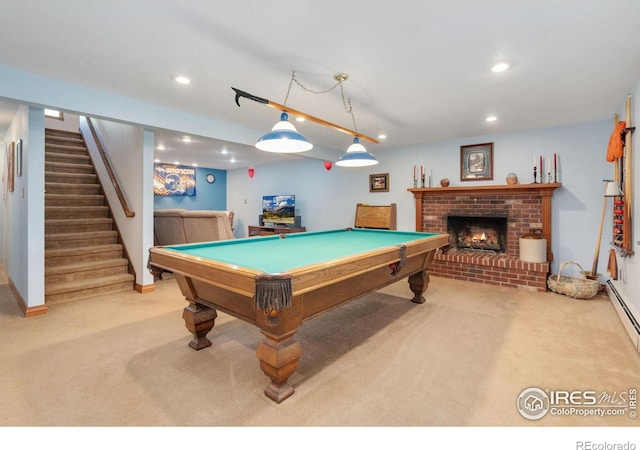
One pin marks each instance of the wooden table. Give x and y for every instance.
(278, 282)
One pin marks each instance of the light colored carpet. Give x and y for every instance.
(461, 359)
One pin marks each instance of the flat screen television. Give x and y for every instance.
(279, 209)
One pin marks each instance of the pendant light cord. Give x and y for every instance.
(340, 78)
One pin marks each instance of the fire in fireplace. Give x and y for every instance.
(477, 233)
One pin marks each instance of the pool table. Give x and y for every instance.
(278, 282)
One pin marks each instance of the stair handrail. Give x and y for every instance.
(112, 176)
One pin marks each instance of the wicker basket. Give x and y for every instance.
(575, 287)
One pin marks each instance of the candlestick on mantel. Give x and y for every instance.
(535, 174)
(540, 169)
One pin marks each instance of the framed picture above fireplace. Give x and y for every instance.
(476, 162)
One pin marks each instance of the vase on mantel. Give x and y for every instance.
(444, 182)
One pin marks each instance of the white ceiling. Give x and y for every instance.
(419, 70)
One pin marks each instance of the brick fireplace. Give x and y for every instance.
(525, 206)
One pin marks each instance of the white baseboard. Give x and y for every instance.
(629, 321)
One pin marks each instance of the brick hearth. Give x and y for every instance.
(525, 206)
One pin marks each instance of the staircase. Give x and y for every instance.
(82, 255)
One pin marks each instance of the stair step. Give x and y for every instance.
(62, 134)
(67, 158)
(70, 178)
(72, 188)
(73, 290)
(57, 167)
(65, 149)
(83, 239)
(56, 226)
(81, 271)
(73, 200)
(75, 212)
(70, 255)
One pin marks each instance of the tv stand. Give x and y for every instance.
(263, 230)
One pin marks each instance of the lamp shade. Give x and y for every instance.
(612, 189)
(284, 138)
(356, 156)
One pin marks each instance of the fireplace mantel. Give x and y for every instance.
(544, 190)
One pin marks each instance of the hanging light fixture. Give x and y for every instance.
(356, 156)
(284, 138)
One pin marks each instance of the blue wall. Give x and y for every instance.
(212, 196)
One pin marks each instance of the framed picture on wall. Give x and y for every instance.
(476, 162)
(10, 165)
(19, 158)
(379, 182)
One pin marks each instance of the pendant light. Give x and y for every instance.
(284, 138)
(356, 156)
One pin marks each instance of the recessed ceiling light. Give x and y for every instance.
(299, 119)
(500, 67)
(224, 151)
(195, 164)
(186, 139)
(382, 136)
(177, 163)
(156, 160)
(181, 79)
(232, 160)
(160, 147)
(491, 119)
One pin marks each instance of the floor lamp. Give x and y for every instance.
(612, 189)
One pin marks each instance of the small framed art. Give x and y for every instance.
(19, 158)
(11, 165)
(379, 182)
(476, 162)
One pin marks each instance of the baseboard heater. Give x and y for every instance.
(626, 316)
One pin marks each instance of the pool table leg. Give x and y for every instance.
(199, 319)
(279, 356)
(419, 282)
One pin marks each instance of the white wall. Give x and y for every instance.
(130, 151)
(23, 209)
(69, 122)
(327, 199)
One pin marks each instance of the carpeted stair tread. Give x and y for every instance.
(85, 266)
(72, 158)
(75, 212)
(74, 199)
(64, 145)
(53, 252)
(82, 285)
(80, 235)
(58, 167)
(55, 186)
(96, 220)
(70, 177)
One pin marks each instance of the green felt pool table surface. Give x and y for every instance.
(275, 254)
